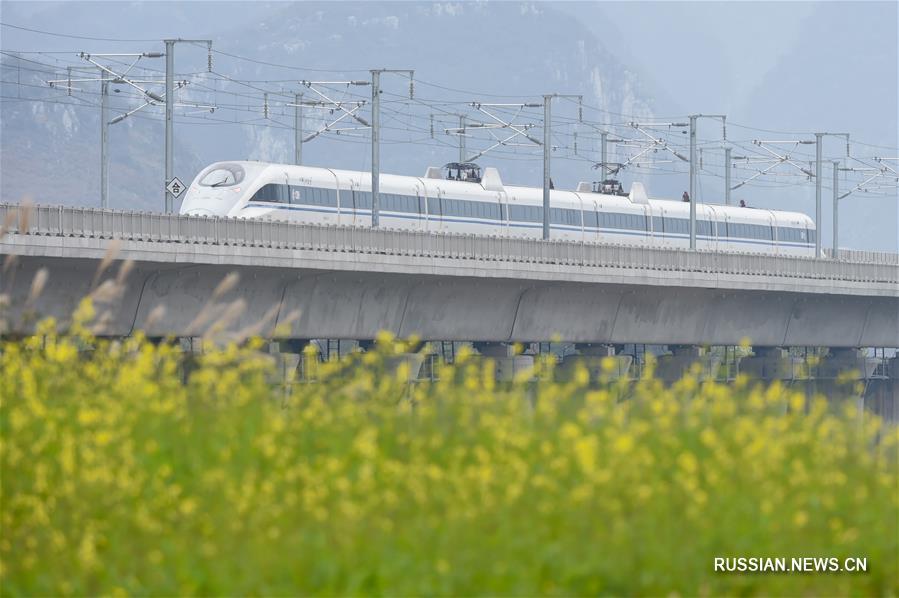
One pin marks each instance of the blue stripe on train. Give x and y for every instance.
(615, 231)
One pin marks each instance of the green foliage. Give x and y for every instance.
(120, 478)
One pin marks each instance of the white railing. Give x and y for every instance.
(63, 221)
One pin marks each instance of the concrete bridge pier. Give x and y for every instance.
(672, 367)
(847, 373)
(882, 393)
(413, 361)
(773, 363)
(593, 357)
(507, 364)
(287, 361)
(847, 363)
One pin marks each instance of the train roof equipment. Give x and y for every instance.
(463, 171)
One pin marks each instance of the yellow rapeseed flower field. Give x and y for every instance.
(124, 472)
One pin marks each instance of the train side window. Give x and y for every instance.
(434, 206)
(555, 216)
(657, 224)
(362, 199)
(591, 220)
(272, 193)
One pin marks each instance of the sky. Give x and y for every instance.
(777, 69)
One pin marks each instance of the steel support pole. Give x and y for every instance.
(818, 148)
(727, 169)
(693, 182)
(547, 143)
(104, 141)
(298, 130)
(461, 138)
(604, 140)
(836, 208)
(375, 143)
(169, 120)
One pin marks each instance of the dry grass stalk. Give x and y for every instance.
(37, 286)
(230, 314)
(257, 327)
(156, 314)
(112, 250)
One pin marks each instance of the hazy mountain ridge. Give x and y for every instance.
(523, 49)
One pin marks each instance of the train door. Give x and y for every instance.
(666, 239)
(435, 210)
(711, 231)
(420, 199)
(724, 233)
(326, 199)
(423, 216)
(502, 227)
(580, 209)
(445, 225)
(655, 225)
(647, 226)
(772, 224)
(348, 200)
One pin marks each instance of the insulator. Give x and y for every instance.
(411, 89)
(265, 105)
(432, 126)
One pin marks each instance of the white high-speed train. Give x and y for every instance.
(458, 198)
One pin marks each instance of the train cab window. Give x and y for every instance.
(272, 193)
(226, 175)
